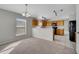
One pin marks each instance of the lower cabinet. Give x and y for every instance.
(43, 33)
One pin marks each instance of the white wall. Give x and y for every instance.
(66, 34)
(29, 27)
(18, 8)
(7, 26)
(77, 28)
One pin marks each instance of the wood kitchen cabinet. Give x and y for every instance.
(34, 22)
(49, 23)
(54, 23)
(44, 23)
(60, 32)
(60, 23)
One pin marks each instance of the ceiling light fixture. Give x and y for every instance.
(26, 13)
(55, 12)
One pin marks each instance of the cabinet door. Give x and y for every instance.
(60, 23)
(60, 32)
(34, 23)
(49, 23)
(44, 23)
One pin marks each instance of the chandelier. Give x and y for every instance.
(26, 13)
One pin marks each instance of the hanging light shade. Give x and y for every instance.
(23, 14)
(26, 14)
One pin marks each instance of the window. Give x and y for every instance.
(20, 27)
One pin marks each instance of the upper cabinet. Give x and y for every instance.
(34, 22)
(49, 23)
(44, 23)
(60, 22)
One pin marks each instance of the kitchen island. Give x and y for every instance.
(43, 33)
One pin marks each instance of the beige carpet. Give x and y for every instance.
(3, 46)
(40, 46)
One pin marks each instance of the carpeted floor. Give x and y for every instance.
(40, 46)
(3, 46)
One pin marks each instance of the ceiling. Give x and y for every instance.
(39, 10)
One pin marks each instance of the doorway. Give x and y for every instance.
(72, 31)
